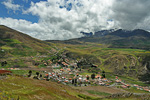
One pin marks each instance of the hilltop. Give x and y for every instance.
(14, 43)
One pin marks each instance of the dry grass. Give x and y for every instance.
(29, 89)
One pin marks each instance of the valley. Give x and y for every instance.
(120, 72)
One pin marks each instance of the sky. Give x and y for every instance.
(65, 19)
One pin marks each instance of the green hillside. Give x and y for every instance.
(119, 61)
(20, 88)
(14, 43)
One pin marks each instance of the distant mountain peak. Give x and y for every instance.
(118, 32)
(87, 34)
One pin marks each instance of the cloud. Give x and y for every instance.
(10, 5)
(22, 25)
(68, 18)
(130, 13)
(65, 19)
(32, 29)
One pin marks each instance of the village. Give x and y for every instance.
(71, 73)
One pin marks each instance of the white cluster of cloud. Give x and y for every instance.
(23, 26)
(63, 24)
(65, 19)
(10, 5)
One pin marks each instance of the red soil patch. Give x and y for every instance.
(5, 72)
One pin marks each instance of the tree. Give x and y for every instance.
(103, 71)
(30, 73)
(87, 77)
(4, 63)
(40, 75)
(36, 64)
(103, 74)
(93, 76)
(72, 81)
(37, 73)
(75, 81)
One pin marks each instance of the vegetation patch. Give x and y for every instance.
(85, 97)
(98, 93)
(12, 41)
(6, 48)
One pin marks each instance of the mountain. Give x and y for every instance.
(138, 38)
(103, 33)
(119, 32)
(126, 33)
(13, 43)
(87, 34)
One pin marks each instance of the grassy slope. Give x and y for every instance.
(29, 89)
(14, 87)
(15, 43)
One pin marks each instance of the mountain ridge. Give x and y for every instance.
(138, 38)
(119, 32)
